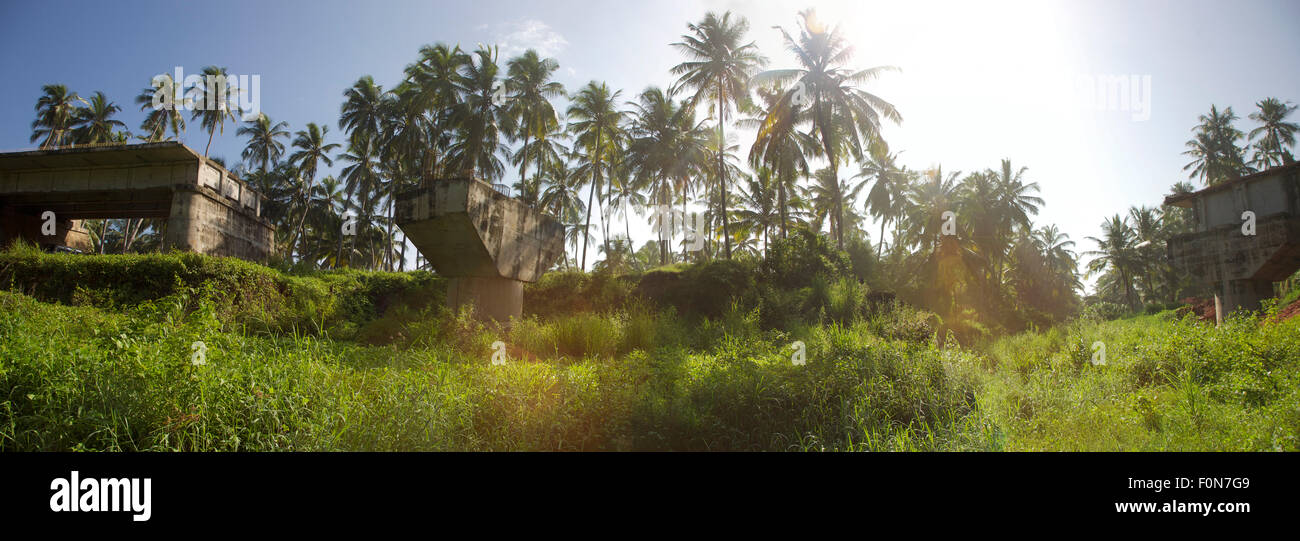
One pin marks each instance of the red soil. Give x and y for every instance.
(1290, 311)
(1203, 308)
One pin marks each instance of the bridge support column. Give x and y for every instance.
(496, 298)
(200, 223)
(1240, 294)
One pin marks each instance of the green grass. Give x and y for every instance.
(371, 361)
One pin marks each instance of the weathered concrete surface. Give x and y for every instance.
(208, 210)
(1242, 267)
(486, 241)
(494, 298)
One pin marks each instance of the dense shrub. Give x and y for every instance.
(703, 289)
(572, 292)
(794, 262)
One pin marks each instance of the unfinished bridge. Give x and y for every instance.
(1247, 236)
(206, 209)
(488, 243)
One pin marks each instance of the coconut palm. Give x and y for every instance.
(56, 116)
(528, 105)
(1116, 253)
(780, 147)
(1055, 247)
(665, 149)
(1275, 134)
(830, 196)
(478, 117)
(543, 153)
(311, 151)
(95, 122)
(758, 211)
(888, 188)
(718, 68)
(161, 114)
(597, 127)
(362, 112)
(840, 113)
(431, 90)
(264, 147)
(215, 102)
(361, 179)
(1213, 148)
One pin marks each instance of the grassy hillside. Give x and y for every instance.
(371, 361)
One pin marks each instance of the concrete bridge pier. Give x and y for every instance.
(1246, 236)
(495, 298)
(1241, 294)
(487, 243)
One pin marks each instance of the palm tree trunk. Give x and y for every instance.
(209, 146)
(388, 245)
(880, 242)
(722, 170)
(523, 164)
(595, 183)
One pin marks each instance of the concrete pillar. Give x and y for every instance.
(496, 298)
(1241, 294)
(184, 230)
(201, 223)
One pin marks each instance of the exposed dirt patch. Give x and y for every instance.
(1203, 308)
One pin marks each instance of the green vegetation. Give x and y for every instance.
(687, 342)
(350, 360)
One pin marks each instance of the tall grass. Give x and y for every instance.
(371, 361)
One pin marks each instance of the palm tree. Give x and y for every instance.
(758, 205)
(719, 68)
(431, 90)
(780, 147)
(841, 114)
(1213, 148)
(361, 114)
(1055, 247)
(360, 178)
(830, 196)
(55, 116)
(163, 117)
(926, 205)
(528, 106)
(216, 103)
(1150, 249)
(543, 153)
(717, 202)
(1277, 134)
(312, 150)
(884, 201)
(562, 200)
(478, 117)
(264, 147)
(626, 195)
(597, 126)
(95, 121)
(1013, 206)
(665, 148)
(1116, 253)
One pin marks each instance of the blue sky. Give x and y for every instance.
(978, 82)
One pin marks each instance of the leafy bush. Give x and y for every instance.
(793, 262)
(1105, 311)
